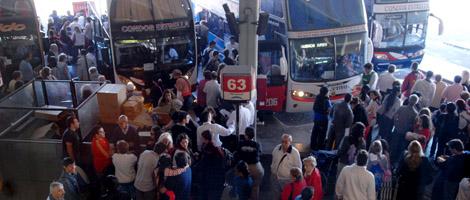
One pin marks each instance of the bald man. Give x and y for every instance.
(124, 131)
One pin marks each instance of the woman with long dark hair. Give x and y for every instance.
(386, 112)
(413, 173)
(321, 108)
(350, 145)
(182, 146)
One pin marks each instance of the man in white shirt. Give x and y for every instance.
(212, 91)
(124, 162)
(144, 180)
(426, 88)
(386, 80)
(244, 120)
(215, 129)
(440, 86)
(251, 107)
(355, 182)
(285, 157)
(232, 45)
(74, 24)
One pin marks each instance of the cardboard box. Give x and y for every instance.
(110, 99)
(131, 109)
(139, 100)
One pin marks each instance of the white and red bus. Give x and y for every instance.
(308, 44)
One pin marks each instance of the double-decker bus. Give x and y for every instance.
(309, 44)
(151, 38)
(398, 31)
(19, 35)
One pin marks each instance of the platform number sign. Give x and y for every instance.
(236, 87)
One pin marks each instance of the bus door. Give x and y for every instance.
(271, 80)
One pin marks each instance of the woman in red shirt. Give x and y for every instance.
(293, 189)
(313, 177)
(100, 150)
(423, 133)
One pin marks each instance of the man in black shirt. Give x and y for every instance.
(126, 132)
(249, 151)
(182, 120)
(71, 139)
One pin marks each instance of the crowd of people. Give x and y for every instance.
(70, 40)
(423, 130)
(423, 133)
(197, 144)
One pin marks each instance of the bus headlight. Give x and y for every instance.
(417, 54)
(302, 94)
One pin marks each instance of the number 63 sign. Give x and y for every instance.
(236, 87)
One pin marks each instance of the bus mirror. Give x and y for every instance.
(370, 50)
(441, 27)
(283, 62)
(441, 24)
(262, 23)
(231, 20)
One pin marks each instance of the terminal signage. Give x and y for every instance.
(237, 87)
(144, 29)
(16, 27)
(401, 7)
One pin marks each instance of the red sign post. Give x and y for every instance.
(237, 87)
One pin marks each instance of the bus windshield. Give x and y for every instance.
(324, 14)
(328, 58)
(16, 8)
(166, 50)
(397, 30)
(141, 10)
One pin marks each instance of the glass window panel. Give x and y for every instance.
(140, 10)
(325, 14)
(273, 7)
(327, 58)
(416, 28)
(88, 115)
(59, 94)
(389, 30)
(10, 8)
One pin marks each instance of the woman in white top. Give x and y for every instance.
(125, 162)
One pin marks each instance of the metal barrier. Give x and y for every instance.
(30, 157)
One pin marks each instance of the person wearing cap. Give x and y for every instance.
(452, 169)
(404, 121)
(183, 89)
(69, 179)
